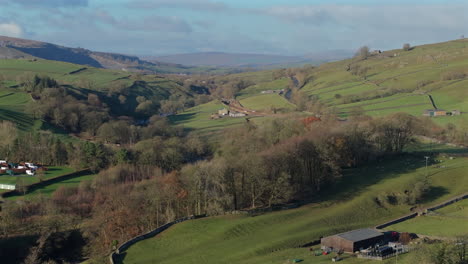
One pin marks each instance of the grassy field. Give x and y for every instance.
(275, 237)
(12, 107)
(267, 102)
(52, 172)
(198, 119)
(49, 189)
(397, 83)
(449, 221)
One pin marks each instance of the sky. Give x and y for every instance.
(285, 27)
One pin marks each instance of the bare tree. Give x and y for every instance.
(363, 53)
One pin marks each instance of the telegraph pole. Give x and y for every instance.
(427, 158)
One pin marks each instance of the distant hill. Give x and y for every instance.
(221, 59)
(15, 48)
(247, 60)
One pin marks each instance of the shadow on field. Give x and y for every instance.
(182, 117)
(355, 180)
(433, 193)
(22, 120)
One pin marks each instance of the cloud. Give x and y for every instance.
(155, 23)
(381, 26)
(199, 5)
(47, 3)
(11, 30)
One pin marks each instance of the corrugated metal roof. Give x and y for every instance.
(360, 234)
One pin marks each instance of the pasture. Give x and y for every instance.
(25, 180)
(276, 237)
(49, 189)
(267, 102)
(450, 221)
(198, 119)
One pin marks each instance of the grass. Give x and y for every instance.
(266, 102)
(449, 221)
(53, 172)
(410, 76)
(49, 189)
(198, 119)
(275, 237)
(12, 106)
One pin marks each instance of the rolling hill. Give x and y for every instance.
(79, 82)
(15, 48)
(279, 237)
(255, 61)
(394, 81)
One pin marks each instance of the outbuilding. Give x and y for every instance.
(353, 241)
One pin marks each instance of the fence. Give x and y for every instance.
(412, 215)
(127, 244)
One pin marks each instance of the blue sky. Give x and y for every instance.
(289, 27)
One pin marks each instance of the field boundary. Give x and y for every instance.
(132, 241)
(432, 208)
(47, 182)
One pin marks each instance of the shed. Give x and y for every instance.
(354, 240)
(223, 112)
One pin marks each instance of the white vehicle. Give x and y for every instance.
(31, 166)
(4, 168)
(3, 162)
(20, 167)
(30, 172)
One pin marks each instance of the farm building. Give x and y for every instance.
(353, 241)
(223, 112)
(435, 112)
(236, 114)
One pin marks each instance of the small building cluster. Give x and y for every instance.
(367, 243)
(225, 112)
(280, 92)
(11, 168)
(440, 112)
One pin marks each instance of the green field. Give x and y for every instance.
(198, 119)
(52, 172)
(49, 189)
(398, 83)
(267, 102)
(12, 107)
(274, 237)
(449, 221)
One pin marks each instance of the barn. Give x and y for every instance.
(353, 241)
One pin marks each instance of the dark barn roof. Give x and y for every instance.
(360, 234)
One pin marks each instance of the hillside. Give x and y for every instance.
(81, 82)
(13, 48)
(397, 80)
(278, 237)
(384, 83)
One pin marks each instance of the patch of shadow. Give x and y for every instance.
(433, 193)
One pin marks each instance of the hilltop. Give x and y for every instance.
(15, 48)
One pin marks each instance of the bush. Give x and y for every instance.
(454, 75)
(406, 47)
